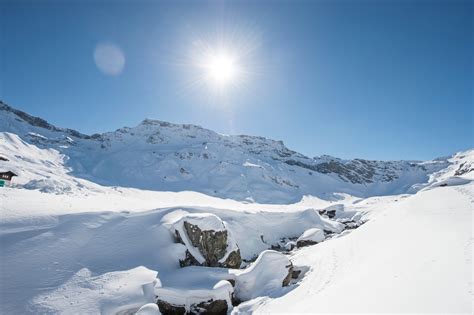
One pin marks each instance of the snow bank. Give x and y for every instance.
(256, 232)
(265, 277)
(450, 181)
(312, 236)
(106, 294)
(149, 309)
(376, 269)
(205, 221)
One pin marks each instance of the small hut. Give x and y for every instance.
(6, 178)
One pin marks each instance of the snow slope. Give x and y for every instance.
(414, 255)
(157, 155)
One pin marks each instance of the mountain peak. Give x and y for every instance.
(160, 155)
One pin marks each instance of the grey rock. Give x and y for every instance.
(170, 309)
(464, 168)
(213, 247)
(295, 274)
(211, 307)
(304, 243)
(289, 276)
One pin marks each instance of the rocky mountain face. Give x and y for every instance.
(158, 155)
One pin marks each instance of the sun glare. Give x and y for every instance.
(222, 64)
(221, 69)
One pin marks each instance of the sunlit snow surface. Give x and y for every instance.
(70, 245)
(415, 248)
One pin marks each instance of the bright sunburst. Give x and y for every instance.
(221, 65)
(222, 69)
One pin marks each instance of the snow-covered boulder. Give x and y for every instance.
(332, 211)
(149, 309)
(310, 237)
(266, 276)
(217, 300)
(290, 245)
(207, 240)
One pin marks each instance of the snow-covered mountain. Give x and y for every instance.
(157, 155)
(74, 242)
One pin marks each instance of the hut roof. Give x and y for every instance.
(7, 175)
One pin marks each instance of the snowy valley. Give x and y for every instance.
(178, 219)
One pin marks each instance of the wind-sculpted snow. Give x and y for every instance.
(157, 155)
(119, 290)
(89, 260)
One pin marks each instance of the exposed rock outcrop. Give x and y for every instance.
(207, 240)
(464, 168)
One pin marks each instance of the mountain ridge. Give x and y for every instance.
(159, 155)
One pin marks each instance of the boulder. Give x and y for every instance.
(170, 309)
(290, 245)
(207, 240)
(215, 307)
(216, 300)
(210, 307)
(310, 237)
(332, 211)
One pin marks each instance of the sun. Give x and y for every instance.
(221, 69)
(221, 66)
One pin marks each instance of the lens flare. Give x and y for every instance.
(109, 59)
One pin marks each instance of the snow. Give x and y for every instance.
(264, 277)
(314, 234)
(248, 164)
(161, 156)
(205, 221)
(85, 227)
(414, 255)
(149, 309)
(42, 251)
(108, 293)
(450, 181)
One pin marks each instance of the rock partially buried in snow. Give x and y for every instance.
(207, 240)
(149, 309)
(332, 211)
(266, 276)
(310, 237)
(217, 300)
(290, 245)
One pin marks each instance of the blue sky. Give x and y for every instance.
(371, 79)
